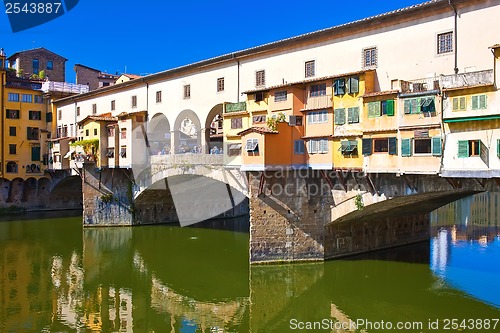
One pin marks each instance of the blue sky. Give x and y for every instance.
(145, 37)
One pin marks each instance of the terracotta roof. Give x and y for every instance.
(60, 139)
(496, 46)
(126, 114)
(377, 130)
(98, 118)
(87, 67)
(306, 81)
(260, 130)
(132, 76)
(14, 55)
(468, 87)
(317, 136)
(381, 93)
(347, 135)
(412, 127)
(239, 113)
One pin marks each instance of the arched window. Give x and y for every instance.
(12, 167)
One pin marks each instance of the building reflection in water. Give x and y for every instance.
(465, 245)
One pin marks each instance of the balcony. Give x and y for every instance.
(318, 102)
(464, 80)
(235, 107)
(426, 85)
(64, 87)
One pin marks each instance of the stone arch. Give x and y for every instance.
(44, 185)
(16, 193)
(159, 134)
(213, 127)
(187, 132)
(4, 189)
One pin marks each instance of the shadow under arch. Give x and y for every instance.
(187, 131)
(71, 183)
(189, 199)
(213, 127)
(159, 134)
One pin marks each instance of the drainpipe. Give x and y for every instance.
(238, 84)
(455, 35)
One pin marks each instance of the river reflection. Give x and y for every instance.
(56, 277)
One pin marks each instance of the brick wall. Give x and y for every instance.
(58, 73)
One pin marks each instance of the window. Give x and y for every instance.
(478, 102)
(27, 98)
(94, 108)
(87, 133)
(12, 131)
(12, 167)
(353, 115)
(260, 78)
(236, 123)
(111, 132)
(259, 119)
(187, 91)
(123, 152)
(134, 101)
(295, 120)
(339, 116)
(158, 96)
(280, 96)
(35, 66)
(50, 64)
(370, 58)
(110, 152)
(422, 146)
(252, 146)
(65, 131)
(33, 133)
(12, 114)
(95, 131)
(113, 105)
(78, 111)
(259, 96)
(310, 68)
(380, 108)
(12, 149)
(459, 103)
(349, 147)
(318, 90)
(445, 42)
(318, 146)
(420, 105)
(35, 115)
(220, 84)
(317, 117)
(105, 84)
(382, 145)
(13, 97)
(234, 149)
(299, 147)
(35, 155)
(38, 99)
(48, 117)
(123, 133)
(339, 87)
(469, 148)
(353, 85)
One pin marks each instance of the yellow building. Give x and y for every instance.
(94, 132)
(24, 126)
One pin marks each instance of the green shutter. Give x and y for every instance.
(415, 105)
(406, 147)
(35, 154)
(463, 148)
(498, 147)
(475, 102)
(455, 103)
(482, 101)
(390, 107)
(407, 106)
(463, 105)
(353, 115)
(339, 116)
(367, 147)
(373, 109)
(353, 85)
(393, 146)
(436, 146)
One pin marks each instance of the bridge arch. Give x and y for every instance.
(159, 135)
(187, 132)
(213, 127)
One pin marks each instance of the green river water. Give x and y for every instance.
(56, 276)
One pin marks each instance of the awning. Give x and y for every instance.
(235, 146)
(458, 120)
(348, 146)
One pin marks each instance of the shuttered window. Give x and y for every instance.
(35, 154)
(479, 102)
(463, 148)
(406, 147)
(390, 107)
(353, 85)
(318, 146)
(498, 147)
(339, 116)
(459, 103)
(373, 109)
(353, 115)
(367, 147)
(393, 146)
(339, 87)
(437, 150)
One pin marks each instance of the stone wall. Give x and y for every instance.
(288, 211)
(58, 73)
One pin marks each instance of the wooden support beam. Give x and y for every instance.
(328, 180)
(370, 183)
(410, 182)
(261, 183)
(455, 183)
(482, 183)
(340, 176)
(497, 180)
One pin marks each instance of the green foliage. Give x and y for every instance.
(41, 75)
(272, 123)
(12, 210)
(107, 198)
(88, 146)
(358, 201)
(20, 72)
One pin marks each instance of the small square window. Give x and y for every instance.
(220, 84)
(113, 105)
(187, 91)
(260, 78)
(158, 96)
(12, 149)
(94, 108)
(370, 58)
(280, 96)
(95, 131)
(445, 42)
(310, 68)
(78, 111)
(50, 64)
(134, 101)
(12, 131)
